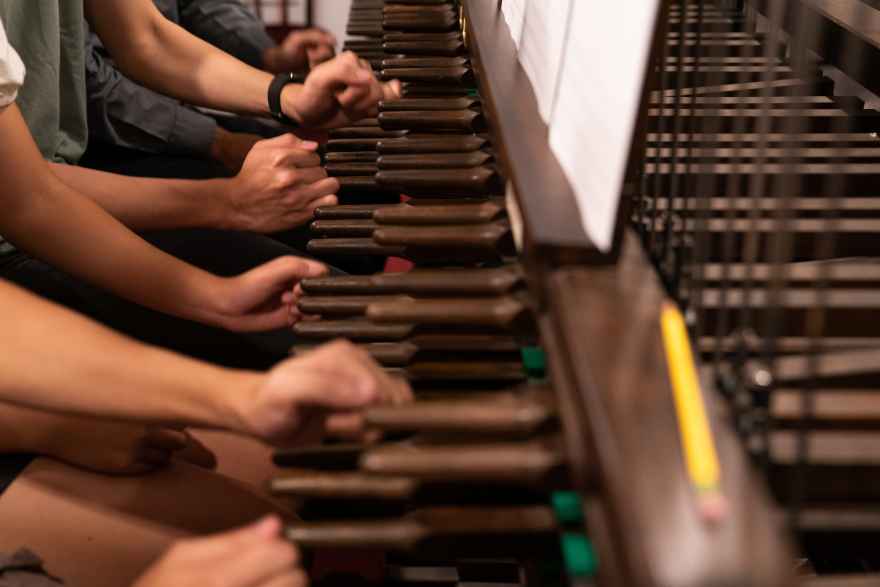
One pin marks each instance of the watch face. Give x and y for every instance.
(281, 13)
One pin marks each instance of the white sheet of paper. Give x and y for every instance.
(545, 30)
(514, 12)
(600, 87)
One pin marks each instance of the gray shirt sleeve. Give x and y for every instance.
(229, 25)
(124, 113)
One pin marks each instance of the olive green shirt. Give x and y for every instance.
(49, 35)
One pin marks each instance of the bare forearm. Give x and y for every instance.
(55, 359)
(151, 204)
(20, 428)
(85, 241)
(161, 55)
(45, 217)
(168, 59)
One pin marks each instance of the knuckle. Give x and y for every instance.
(287, 554)
(288, 177)
(341, 346)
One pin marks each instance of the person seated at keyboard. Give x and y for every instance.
(96, 373)
(135, 130)
(207, 223)
(48, 348)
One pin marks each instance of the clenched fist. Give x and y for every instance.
(298, 399)
(300, 51)
(337, 93)
(255, 556)
(279, 186)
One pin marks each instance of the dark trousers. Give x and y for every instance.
(220, 252)
(224, 253)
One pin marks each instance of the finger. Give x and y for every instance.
(368, 107)
(294, 578)
(329, 37)
(331, 200)
(300, 158)
(389, 390)
(342, 72)
(294, 179)
(344, 378)
(311, 268)
(260, 563)
(288, 269)
(167, 439)
(346, 426)
(308, 195)
(320, 55)
(264, 286)
(399, 391)
(263, 530)
(197, 454)
(297, 317)
(322, 377)
(153, 457)
(392, 90)
(402, 392)
(314, 37)
(310, 175)
(260, 321)
(353, 95)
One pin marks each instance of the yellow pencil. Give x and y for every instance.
(698, 444)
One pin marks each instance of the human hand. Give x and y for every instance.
(299, 399)
(337, 93)
(279, 187)
(117, 448)
(300, 50)
(254, 556)
(265, 297)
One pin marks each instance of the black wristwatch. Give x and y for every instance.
(278, 83)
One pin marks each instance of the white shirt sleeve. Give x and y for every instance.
(11, 71)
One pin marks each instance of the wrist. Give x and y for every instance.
(232, 407)
(223, 209)
(289, 96)
(27, 430)
(204, 297)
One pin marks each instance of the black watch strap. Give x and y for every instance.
(278, 83)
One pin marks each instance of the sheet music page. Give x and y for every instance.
(603, 68)
(543, 39)
(514, 12)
